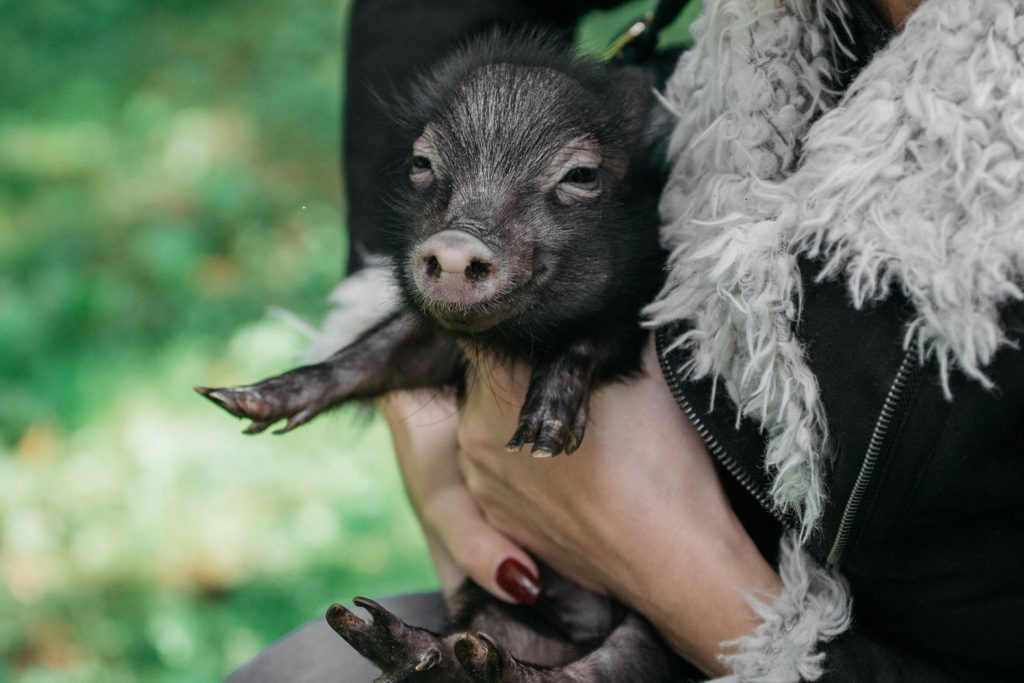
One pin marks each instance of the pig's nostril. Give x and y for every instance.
(477, 270)
(456, 266)
(433, 266)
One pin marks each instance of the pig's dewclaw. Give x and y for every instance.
(257, 427)
(297, 420)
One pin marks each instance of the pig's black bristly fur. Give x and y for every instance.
(528, 47)
(610, 263)
(547, 166)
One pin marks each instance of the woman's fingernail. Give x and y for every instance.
(516, 580)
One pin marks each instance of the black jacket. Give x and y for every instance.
(925, 512)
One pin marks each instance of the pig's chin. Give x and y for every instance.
(467, 318)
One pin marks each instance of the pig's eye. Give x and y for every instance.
(577, 172)
(579, 183)
(422, 173)
(584, 176)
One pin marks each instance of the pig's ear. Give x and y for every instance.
(634, 87)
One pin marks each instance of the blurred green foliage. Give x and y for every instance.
(168, 169)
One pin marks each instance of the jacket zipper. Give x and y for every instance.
(883, 427)
(716, 449)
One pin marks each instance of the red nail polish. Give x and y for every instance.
(516, 580)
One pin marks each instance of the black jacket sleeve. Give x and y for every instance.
(854, 658)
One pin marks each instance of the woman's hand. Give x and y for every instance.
(638, 511)
(424, 430)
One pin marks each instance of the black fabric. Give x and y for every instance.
(863, 33)
(938, 549)
(853, 658)
(935, 554)
(852, 399)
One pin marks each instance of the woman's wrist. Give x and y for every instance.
(694, 592)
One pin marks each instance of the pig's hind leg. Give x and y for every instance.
(400, 352)
(571, 635)
(402, 652)
(633, 653)
(407, 653)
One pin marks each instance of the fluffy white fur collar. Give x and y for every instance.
(913, 179)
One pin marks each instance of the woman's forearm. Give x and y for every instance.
(698, 601)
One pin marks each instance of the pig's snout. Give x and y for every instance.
(454, 267)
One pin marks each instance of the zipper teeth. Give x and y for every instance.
(716, 449)
(867, 468)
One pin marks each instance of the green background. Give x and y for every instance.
(168, 172)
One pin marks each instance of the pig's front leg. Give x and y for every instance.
(400, 352)
(554, 415)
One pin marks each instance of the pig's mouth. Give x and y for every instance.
(471, 320)
(477, 314)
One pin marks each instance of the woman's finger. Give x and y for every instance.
(487, 556)
(424, 426)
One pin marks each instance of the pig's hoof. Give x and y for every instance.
(297, 396)
(399, 650)
(553, 429)
(483, 660)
